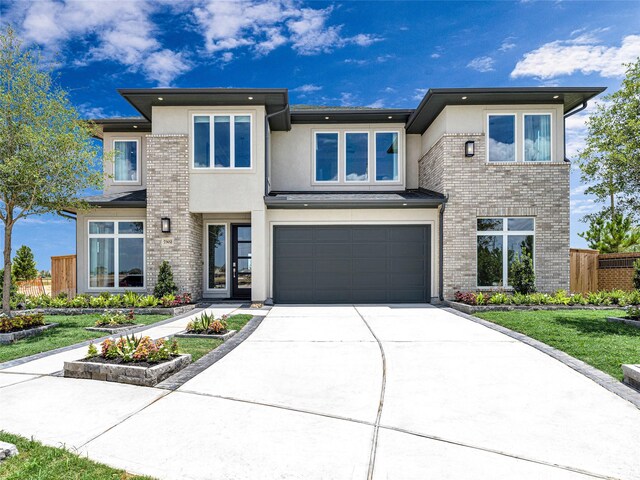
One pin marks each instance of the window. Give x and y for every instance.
(326, 155)
(217, 253)
(537, 138)
(222, 141)
(501, 132)
(125, 160)
(386, 156)
(356, 156)
(499, 242)
(116, 254)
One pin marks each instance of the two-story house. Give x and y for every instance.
(248, 197)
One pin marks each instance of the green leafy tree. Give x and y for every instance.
(47, 156)
(523, 277)
(613, 236)
(165, 284)
(24, 265)
(610, 161)
(636, 274)
(14, 284)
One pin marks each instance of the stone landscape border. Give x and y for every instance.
(115, 330)
(603, 379)
(627, 321)
(7, 338)
(7, 450)
(224, 337)
(632, 375)
(125, 373)
(90, 311)
(182, 377)
(471, 309)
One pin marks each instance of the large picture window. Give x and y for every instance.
(116, 254)
(125, 160)
(499, 242)
(537, 138)
(222, 141)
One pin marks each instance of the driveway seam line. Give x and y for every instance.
(376, 427)
(603, 379)
(36, 377)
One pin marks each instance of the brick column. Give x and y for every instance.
(168, 196)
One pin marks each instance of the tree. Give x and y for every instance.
(523, 277)
(24, 266)
(165, 284)
(14, 284)
(612, 236)
(46, 154)
(610, 161)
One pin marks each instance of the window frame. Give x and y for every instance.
(375, 163)
(113, 149)
(344, 153)
(226, 258)
(505, 233)
(232, 143)
(551, 126)
(515, 137)
(314, 153)
(116, 251)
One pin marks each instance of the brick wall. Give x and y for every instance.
(168, 196)
(476, 188)
(612, 274)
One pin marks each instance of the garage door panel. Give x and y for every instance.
(351, 263)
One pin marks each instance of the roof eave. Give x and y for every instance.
(275, 203)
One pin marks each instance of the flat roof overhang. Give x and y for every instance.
(437, 99)
(127, 124)
(338, 200)
(352, 115)
(274, 100)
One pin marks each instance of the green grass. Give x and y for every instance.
(38, 462)
(198, 347)
(69, 331)
(583, 334)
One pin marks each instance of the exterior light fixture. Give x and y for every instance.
(464, 98)
(326, 118)
(404, 204)
(165, 225)
(160, 98)
(250, 98)
(556, 96)
(469, 148)
(135, 126)
(306, 204)
(390, 117)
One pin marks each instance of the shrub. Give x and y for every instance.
(165, 284)
(523, 277)
(207, 324)
(139, 349)
(20, 322)
(633, 311)
(465, 297)
(114, 319)
(636, 274)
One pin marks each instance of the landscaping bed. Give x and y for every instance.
(70, 330)
(115, 322)
(583, 334)
(36, 461)
(207, 326)
(22, 326)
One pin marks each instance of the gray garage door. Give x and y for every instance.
(352, 264)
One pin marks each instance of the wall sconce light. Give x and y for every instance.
(165, 225)
(469, 148)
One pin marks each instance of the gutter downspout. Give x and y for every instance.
(564, 126)
(441, 254)
(267, 148)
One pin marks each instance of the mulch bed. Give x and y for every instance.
(118, 325)
(119, 361)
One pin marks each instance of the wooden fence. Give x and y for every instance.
(63, 275)
(31, 288)
(584, 270)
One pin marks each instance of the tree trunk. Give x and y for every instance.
(6, 281)
(613, 206)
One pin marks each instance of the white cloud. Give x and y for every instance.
(264, 26)
(367, 61)
(482, 64)
(419, 93)
(307, 88)
(435, 55)
(583, 206)
(346, 99)
(580, 54)
(507, 44)
(377, 104)
(124, 34)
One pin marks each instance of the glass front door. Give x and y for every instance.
(241, 261)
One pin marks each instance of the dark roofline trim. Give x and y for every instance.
(350, 116)
(273, 201)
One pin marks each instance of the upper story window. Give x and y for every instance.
(350, 157)
(126, 154)
(222, 141)
(528, 133)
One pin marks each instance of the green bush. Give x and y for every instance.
(20, 322)
(523, 277)
(561, 297)
(636, 274)
(165, 284)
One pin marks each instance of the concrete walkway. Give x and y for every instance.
(340, 392)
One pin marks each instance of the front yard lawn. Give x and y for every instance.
(36, 461)
(69, 331)
(583, 334)
(198, 347)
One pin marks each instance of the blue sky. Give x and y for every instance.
(384, 54)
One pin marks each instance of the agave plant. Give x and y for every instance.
(207, 323)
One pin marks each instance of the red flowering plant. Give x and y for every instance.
(20, 322)
(136, 349)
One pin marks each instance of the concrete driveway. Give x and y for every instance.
(343, 392)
